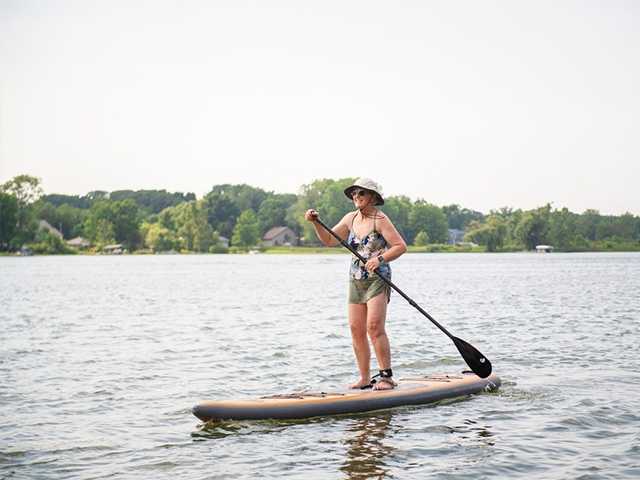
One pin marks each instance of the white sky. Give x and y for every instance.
(481, 103)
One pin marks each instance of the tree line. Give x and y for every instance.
(158, 220)
(508, 229)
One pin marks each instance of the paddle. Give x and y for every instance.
(478, 363)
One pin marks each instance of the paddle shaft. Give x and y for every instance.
(387, 281)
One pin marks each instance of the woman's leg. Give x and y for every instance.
(358, 325)
(376, 316)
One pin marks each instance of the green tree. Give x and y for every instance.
(76, 201)
(491, 233)
(247, 230)
(421, 239)
(533, 228)
(191, 226)
(398, 209)
(327, 197)
(71, 218)
(165, 219)
(459, 218)
(27, 190)
(160, 239)
(273, 212)
(46, 211)
(429, 218)
(244, 196)
(563, 231)
(622, 227)
(94, 223)
(8, 219)
(126, 222)
(225, 202)
(109, 221)
(65, 218)
(588, 224)
(222, 213)
(104, 233)
(152, 201)
(636, 229)
(511, 219)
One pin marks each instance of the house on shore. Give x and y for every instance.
(223, 241)
(456, 236)
(115, 249)
(277, 236)
(79, 242)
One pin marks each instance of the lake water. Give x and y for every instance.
(101, 359)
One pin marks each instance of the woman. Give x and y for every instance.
(373, 236)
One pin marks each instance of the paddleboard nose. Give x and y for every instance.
(198, 411)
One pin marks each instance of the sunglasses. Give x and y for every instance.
(358, 193)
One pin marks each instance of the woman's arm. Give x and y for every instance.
(341, 229)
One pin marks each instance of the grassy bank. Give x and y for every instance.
(302, 250)
(445, 248)
(434, 248)
(340, 249)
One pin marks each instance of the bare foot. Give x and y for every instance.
(360, 383)
(384, 384)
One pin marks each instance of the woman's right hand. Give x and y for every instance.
(311, 215)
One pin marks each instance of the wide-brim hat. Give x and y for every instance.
(366, 184)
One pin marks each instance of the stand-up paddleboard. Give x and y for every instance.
(410, 391)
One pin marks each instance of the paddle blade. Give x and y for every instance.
(478, 363)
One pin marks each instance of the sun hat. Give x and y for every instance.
(366, 184)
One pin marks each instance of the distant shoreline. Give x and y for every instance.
(333, 250)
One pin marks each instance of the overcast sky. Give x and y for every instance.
(481, 103)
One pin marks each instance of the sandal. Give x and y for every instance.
(365, 386)
(385, 376)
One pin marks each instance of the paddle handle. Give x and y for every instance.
(384, 279)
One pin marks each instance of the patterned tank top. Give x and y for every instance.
(370, 246)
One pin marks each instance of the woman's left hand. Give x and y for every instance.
(372, 264)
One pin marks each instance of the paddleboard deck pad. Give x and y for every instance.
(410, 391)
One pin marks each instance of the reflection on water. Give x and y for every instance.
(475, 432)
(373, 445)
(377, 444)
(217, 429)
(366, 447)
(214, 429)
